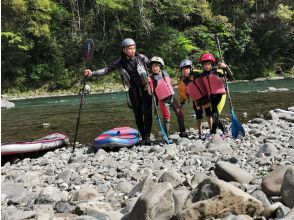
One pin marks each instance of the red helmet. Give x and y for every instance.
(207, 57)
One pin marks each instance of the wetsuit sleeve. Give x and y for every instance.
(144, 58)
(114, 65)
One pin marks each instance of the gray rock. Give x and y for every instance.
(15, 192)
(44, 212)
(156, 149)
(30, 179)
(97, 209)
(65, 216)
(215, 198)
(51, 194)
(218, 144)
(237, 217)
(172, 177)
(44, 162)
(272, 182)
(101, 154)
(212, 187)
(130, 203)
(180, 195)
(7, 104)
(255, 132)
(268, 149)
(84, 194)
(287, 189)
(156, 204)
(125, 187)
(258, 121)
(64, 175)
(290, 215)
(270, 211)
(18, 215)
(143, 186)
(64, 206)
(291, 141)
(260, 195)
(231, 172)
(198, 178)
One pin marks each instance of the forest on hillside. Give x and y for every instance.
(42, 40)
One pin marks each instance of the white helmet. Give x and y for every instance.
(156, 60)
(128, 42)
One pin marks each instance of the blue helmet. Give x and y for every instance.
(186, 63)
(127, 42)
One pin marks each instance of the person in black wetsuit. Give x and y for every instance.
(133, 66)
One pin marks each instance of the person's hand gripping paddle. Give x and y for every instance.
(89, 52)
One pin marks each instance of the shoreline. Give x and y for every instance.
(255, 172)
(116, 87)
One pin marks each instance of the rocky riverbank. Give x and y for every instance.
(246, 178)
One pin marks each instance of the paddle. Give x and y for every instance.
(236, 127)
(158, 118)
(154, 102)
(89, 51)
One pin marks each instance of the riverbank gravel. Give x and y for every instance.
(246, 178)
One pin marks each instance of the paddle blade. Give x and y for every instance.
(89, 49)
(236, 127)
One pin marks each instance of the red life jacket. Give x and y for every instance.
(214, 84)
(164, 86)
(196, 89)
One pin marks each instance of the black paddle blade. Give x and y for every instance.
(89, 49)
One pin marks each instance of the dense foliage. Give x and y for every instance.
(42, 40)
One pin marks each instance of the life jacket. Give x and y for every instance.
(213, 83)
(163, 85)
(195, 87)
(135, 73)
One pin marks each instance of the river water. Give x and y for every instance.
(102, 112)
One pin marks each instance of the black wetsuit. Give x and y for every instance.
(215, 99)
(140, 99)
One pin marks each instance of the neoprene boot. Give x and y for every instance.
(183, 134)
(147, 141)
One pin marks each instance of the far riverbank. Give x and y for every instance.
(96, 89)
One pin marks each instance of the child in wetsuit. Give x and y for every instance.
(213, 80)
(191, 86)
(161, 86)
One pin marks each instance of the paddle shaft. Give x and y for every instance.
(79, 114)
(89, 49)
(155, 108)
(225, 78)
(236, 127)
(158, 118)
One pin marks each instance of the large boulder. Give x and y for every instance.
(7, 104)
(287, 189)
(232, 172)
(272, 182)
(157, 203)
(214, 198)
